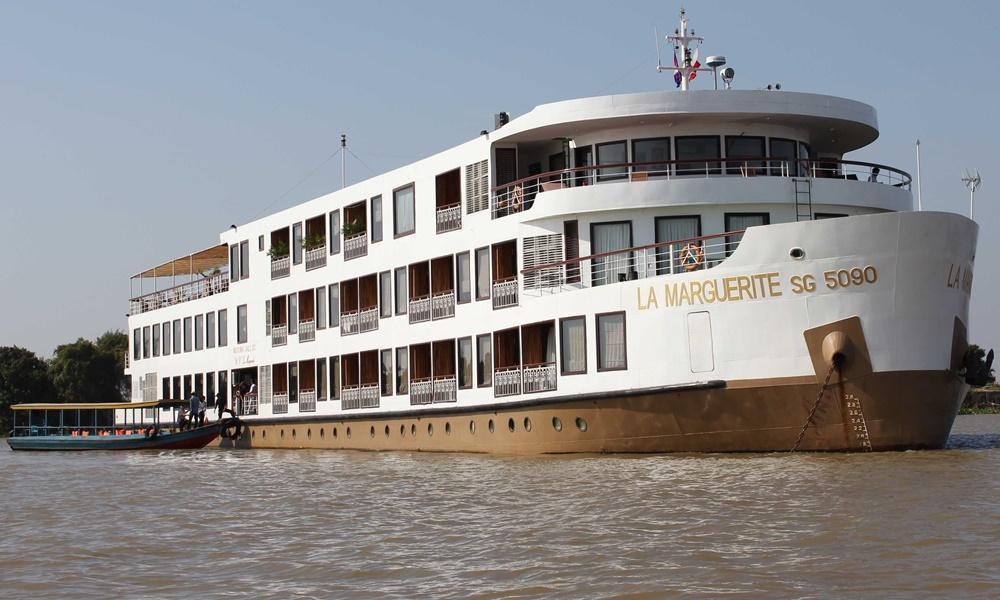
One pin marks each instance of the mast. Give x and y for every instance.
(343, 160)
(686, 43)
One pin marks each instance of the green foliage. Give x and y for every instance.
(23, 378)
(312, 241)
(278, 250)
(83, 372)
(115, 343)
(355, 227)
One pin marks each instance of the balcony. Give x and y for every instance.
(279, 335)
(445, 389)
(281, 267)
(202, 288)
(539, 378)
(307, 401)
(279, 403)
(443, 305)
(421, 391)
(505, 293)
(249, 404)
(359, 321)
(307, 330)
(356, 246)
(316, 258)
(507, 382)
(359, 396)
(449, 218)
(420, 309)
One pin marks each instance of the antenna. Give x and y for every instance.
(920, 205)
(656, 36)
(686, 66)
(972, 182)
(343, 160)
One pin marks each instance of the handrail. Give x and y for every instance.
(223, 275)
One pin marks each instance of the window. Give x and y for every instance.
(482, 273)
(145, 342)
(402, 211)
(334, 304)
(464, 265)
(177, 336)
(612, 153)
(465, 363)
(293, 314)
(241, 324)
(783, 153)
(376, 209)
(385, 374)
(477, 191)
(335, 232)
(484, 361)
(573, 345)
(199, 332)
(321, 379)
(166, 389)
(260, 243)
(703, 151)
(741, 148)
(223, 328)
(166, 339)
(401, 295)
(210, 330)
(321, 307)
(653, 150)
(234, 263)
(245, 259)
(583, 156)
(672, 229)
(607, 237)
(385, 294)
(611, 342)
(156, 340)
(297, 243)
(402, 374)
(188, 331)
(136, 344)
(739, 221)
(335, 377)
(267, 317)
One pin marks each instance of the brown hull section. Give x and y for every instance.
(889, 411)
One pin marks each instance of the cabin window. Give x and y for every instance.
(477, 191)
(260, 243)
(321, 307)
(166, 339)
(245, 259)
(571, 250)
(297, 244)
(583, 157)
(385, 372)
(334, 304)
(188, 331)
(223, 327)
(401, 296)
(673, 229)
(136, 344)
(738, 221)
(484, 361)
(402, 375)
(293, 313)
(199, 332)
(448, 201)
(611, 342)
(293, 383)
(608, 237)
(234, 262)
(187, 386)
(176, 388)
(334, 377)
(268, 318)
(702, 151)
(241, 324)
(464, 267)
(465, 359)
(166, 389)
(321, 379)
(482, 273)
(385, 294)
(335, 232)
(177, 336)
(573, 345)
(653, 150)
(145, 341)
(739, 151)
(376, 208)
(210, 330)
(612, 153)
(783, 157)
(403, 222)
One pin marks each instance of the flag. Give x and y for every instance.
(695, 64)
(677, 73)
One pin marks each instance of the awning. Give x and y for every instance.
(86, 406)
(204, 261)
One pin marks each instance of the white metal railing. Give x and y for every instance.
(307, 401)
(279, 335)
(249, 404)
(420, 309)
(368, 319)
(349, 322)
(356, 245)
(359, 396)
(316, 258)
(445, 388)
(279, 403)
(507, 382)
(539, 378)
(421, 391)
(202, 288)
(443, 305)
(449, 218)
(307, 330)
(505, 293)
(281, 267)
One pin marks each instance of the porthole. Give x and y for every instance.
(430, 429)
(386, 431)
(527, 424)
(282, 433)
(263, 434)
(309, 433)
(371, 432)
(797, 253)
(491, 428)
(510, 425)
(413, 429)
(581, 424)
(348, 433)
(447, 428)
(472, 427)
(402, 431)
(322, 432)
(253, 434)
(293, 434)
(334, 432)
(556, 424)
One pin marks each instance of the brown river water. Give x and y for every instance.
(337, 524)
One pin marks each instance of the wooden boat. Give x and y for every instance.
(108, 426)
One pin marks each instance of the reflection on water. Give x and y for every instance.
(349, 524)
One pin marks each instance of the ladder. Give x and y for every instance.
(803, 199)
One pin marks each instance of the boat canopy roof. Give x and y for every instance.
(98, 405)
(208, 259)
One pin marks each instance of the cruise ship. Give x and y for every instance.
(690, 270)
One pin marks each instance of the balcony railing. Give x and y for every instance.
(505, 293)
(279, 403)
(281, 267)
(307, 330)
(449, 218)
(307, 401)
(359, 396)
(421, 391)
(316, 258)
(443, 305)
(202, 288)
(507, 382)
(356, 245)
(640, 262)
(445, 389)
(420, 309)
(249, 404)
(539, 378)
(518, 196)
(279, 335)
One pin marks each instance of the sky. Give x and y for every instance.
(135, 132)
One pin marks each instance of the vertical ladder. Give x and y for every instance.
(803, 199)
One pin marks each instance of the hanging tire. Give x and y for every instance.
(231, 429)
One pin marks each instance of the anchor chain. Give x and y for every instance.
(812, 411)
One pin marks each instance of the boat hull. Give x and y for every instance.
(184, 440)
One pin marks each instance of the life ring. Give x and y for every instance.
(152, 431)
(692, 257)
(231, 429)
(515, 198)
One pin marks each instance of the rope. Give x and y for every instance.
(812, 411)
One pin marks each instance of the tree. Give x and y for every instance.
(82, 372)
(115, 344)
(23, 378)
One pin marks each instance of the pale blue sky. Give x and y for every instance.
(134, 132)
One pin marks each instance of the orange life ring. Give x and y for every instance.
(692, 257)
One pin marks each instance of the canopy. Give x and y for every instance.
(91, 405)
(215, 257)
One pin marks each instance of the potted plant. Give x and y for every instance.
(353, 228)
(278, 250)
(313, 241)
